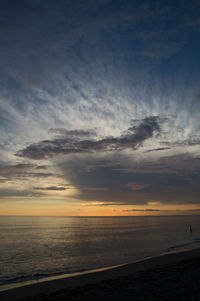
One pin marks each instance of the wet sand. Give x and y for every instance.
(173, 276)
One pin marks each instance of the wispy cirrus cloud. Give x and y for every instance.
(72, 77)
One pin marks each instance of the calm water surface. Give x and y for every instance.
(37, 247)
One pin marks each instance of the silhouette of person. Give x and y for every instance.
(190, 229)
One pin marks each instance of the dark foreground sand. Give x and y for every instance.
(167, 277)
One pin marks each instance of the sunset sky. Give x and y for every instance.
(99, 107)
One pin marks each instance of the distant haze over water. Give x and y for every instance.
(37, 247)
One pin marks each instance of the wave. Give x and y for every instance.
(191, 242)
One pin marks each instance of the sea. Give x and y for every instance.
(35, 248)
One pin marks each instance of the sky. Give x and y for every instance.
(99, 107)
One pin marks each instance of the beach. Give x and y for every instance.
(172, 276)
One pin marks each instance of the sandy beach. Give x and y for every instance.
(172, 276)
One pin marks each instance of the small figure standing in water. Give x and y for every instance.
(190, 229)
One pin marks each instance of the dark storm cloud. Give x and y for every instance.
(181, 164)
(51, 188)
(169, 180)
(134, 138)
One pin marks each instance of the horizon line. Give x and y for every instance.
(167, 215)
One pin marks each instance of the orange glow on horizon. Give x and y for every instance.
(92, 209)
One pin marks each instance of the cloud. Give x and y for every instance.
(72, 133)
(93, 188)
(136, 186)
(42, 167)
(134, 138)
(187, 142)
(163, 210)
(16, 193)
(158, 149)
(75, 66)
(23, 171)
(147, 210)
(56, 188)
(126, 180)
(181, 164)
(166, 210)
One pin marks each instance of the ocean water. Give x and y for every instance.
(38, 247)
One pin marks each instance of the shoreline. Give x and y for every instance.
(13, 285)
(69, 281)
